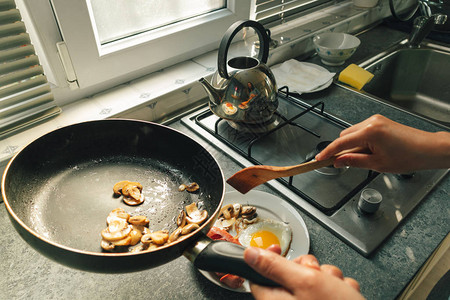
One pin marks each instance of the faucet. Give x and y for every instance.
(422, 26)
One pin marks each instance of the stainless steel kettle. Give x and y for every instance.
(243, 89)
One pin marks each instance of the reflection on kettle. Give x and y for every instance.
(252, 93)
(243, 90)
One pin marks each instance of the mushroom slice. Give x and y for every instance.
(239, 225)
(191, 208)
(192, 187)
(189, 228)
(159, 237)
(242, 223)
(126, 241)
(181, 219)
(133, 202)
(106, 245)
(250, 221)
(198, 218)
(139, 220)
(152, 246)
(236, 210)
(139, 248)
(117, 188)
(194, 215)
(118, 213)
(225, 224)
(226, 211)
(146, 239)
(248, 211)
(142, 229)
(132, 191)
(117, 225)
(218, 223)
(115, 236)
(175, 235)
(136, 236)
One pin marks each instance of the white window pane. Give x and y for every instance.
(98, 64)
(115, 19)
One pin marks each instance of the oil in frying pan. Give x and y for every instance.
(71, 208)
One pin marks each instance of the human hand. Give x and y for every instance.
(387, 146)
(301, 278)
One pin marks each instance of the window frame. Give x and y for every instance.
(94, 63)
(45, 33)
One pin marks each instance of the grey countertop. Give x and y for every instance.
(28, 275)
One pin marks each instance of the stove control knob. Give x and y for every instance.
(369, 201)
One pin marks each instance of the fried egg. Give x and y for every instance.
(266, 232)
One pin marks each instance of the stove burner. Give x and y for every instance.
(330, 200)
(326, 170)
(263, 127)
(331, 170)
(322, 145)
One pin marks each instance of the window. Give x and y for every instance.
(117, 19)
(102, 50)
(141, 53)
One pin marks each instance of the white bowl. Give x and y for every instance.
(335, 47)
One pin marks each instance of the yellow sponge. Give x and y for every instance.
(355, 76)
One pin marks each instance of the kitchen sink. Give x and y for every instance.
(414, 79)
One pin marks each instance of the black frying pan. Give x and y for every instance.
(58, 192)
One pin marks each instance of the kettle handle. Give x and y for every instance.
(228, 37)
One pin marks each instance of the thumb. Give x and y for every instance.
(275, 267)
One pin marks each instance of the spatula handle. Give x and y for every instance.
(305, 167)
(312, 165)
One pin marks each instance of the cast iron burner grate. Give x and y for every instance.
(298, 131)
(331, 198)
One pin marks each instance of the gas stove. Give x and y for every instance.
(359, 206)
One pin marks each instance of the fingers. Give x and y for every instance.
(312, 262)
(270, 293)
(360, 160)
(362, 124)
(308, 261)
(352, 282)
(367, 122)
(355, 136)
(349, 141)
(299, 278)
(332, 270)
(275, 267)
(274, 248)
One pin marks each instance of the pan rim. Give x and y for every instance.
(198, 231)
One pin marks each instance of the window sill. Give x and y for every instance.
(160, 95)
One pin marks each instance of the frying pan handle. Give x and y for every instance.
(226, 257)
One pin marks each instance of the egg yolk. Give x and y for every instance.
(263, 239)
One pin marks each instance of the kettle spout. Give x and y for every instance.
(215, 95)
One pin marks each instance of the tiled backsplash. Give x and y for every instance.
(160, 95)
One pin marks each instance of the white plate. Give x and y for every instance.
(269, 207)
(323, 86)
(290, 82)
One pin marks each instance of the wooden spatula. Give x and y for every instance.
(248, 178)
